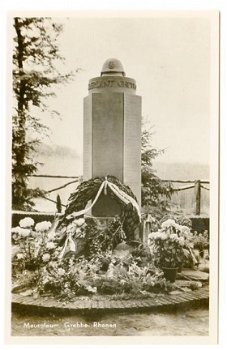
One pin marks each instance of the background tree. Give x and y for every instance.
(155, 193)
(35, 58)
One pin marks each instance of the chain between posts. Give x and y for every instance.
(197, 185)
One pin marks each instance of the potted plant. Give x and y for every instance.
(33, 246)
(167, 247)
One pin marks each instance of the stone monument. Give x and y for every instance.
(112, 133)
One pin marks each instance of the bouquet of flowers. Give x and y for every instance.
(33, 245)
(169, 244)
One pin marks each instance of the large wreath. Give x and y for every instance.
(87, 191)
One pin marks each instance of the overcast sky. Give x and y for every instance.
(170, 60)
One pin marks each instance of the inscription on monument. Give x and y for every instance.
(100, 83)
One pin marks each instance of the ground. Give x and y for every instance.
(190, 322)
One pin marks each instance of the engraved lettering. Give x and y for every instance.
(96, 84)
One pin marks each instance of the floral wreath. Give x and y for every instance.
(87, 191)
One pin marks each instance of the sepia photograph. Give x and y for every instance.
(113, 147)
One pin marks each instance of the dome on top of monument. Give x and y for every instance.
(112, 66)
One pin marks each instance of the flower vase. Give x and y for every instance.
(170, 273)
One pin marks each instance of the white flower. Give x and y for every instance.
(24, 232)
(91, 289)
(168, 223)
(181, 241)
(51, 236)
(153, 235)
(43, 226)
(16, 233)
(46, 257)
(26, 222)
(177, 227)
(173, 237)
(53, 264)
(185, 230)
(16, 229)
(61, 271)
(163, 236)
(50, 245)
(159, 235)
(20, 256)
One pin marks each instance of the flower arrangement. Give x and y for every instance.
(39, 248)
(77, 228)
(179, 219)
(68, 278)
(169, 243)
(101, 239)
(72, 277)
(33, 246)
(36, 245)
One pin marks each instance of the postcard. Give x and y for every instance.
(113, 122)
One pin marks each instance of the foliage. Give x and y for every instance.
(35, 246)
(35, 58)
(39, 248)
(169, 243)
(70, 278)
(99, 271)
(129, 277)
(66, 278)
(142, 251)
(101, 239)
(94, 238)
(87, 191)
(155, 193)
(201, 241)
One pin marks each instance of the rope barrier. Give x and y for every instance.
(51, 200)
(186, 181)
(55, 176)
(78, 177)
(183, 188)
(205, 188)
(58, 188)
(23, 212)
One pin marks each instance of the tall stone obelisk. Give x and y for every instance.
(112, 133)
